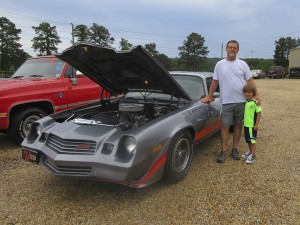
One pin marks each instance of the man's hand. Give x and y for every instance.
(206, 99)
(258, 100)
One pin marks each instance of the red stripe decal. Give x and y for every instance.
(207, 130)
(157, 165)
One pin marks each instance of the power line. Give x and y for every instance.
(34, 19)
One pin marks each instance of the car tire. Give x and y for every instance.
(179, 158)
(21, 121)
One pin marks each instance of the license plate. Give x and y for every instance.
(31, 156)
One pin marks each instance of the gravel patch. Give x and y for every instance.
(267, 192)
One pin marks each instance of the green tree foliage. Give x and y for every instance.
(100, 35)
(165, 61)
(193, 52)
(81, 32)
(259, 64)
(124, 44)
(282, 50)
(46, 40)
(208, 65)
(11, 56)
(151, 48)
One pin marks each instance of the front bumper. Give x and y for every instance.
(100, 167)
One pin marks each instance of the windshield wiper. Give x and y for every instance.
(17, 77)
(36, 75)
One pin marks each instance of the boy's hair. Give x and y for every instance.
(249, 88)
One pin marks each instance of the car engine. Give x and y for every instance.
(127, 116)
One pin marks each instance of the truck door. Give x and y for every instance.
(80, 89)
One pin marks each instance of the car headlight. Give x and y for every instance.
(130, 144)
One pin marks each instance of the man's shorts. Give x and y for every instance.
(250, 135)
(232, 113)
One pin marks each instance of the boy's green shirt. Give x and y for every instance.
(251, 110)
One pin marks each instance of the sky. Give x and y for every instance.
(255, 24)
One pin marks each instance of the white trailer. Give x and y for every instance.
(294, 63)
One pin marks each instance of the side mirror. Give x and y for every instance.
(73, 81)
(216, 95)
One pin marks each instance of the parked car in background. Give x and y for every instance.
(294, 72)
(41, 86)
(258, 74)
(276, 72)
(137, 138)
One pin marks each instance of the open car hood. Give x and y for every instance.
(121, 71)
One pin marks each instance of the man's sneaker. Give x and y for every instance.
(251, 159)
(221, 157)
(235, 154)
(246, 154)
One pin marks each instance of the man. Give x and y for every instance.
(231, 74)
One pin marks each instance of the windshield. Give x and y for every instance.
(42, 67)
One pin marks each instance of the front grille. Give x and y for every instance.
(68, 146)
(68, 170)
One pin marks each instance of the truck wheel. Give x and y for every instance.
(21, 121)
(179, 158)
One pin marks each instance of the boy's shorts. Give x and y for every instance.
(250, 135)
(232, 113)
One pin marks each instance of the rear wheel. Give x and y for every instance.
(179, 157)
(21, 121)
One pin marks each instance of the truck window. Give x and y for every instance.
(42, 67)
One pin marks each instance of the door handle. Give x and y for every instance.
(60, 95)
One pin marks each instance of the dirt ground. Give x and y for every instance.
(267, 192)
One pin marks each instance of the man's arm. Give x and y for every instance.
(257, 97)
(212, 89)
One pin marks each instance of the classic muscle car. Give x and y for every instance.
(144, 131)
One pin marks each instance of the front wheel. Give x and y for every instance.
(179, 159)
(21, 122)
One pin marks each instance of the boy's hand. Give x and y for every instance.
(256, 127)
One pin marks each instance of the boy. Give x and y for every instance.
(252, 117)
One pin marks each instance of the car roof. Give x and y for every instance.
(203, 75)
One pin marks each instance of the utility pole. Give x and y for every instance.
(222, 51)
(72, 33)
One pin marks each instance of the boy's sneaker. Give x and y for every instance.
(246, 154)
(235, 154)
(221, 157)
(251, 159)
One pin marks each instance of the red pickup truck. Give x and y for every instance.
(41, 86)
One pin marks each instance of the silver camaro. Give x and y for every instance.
(145, 131)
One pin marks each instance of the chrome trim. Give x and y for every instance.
(3, 115)
(76, 104)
